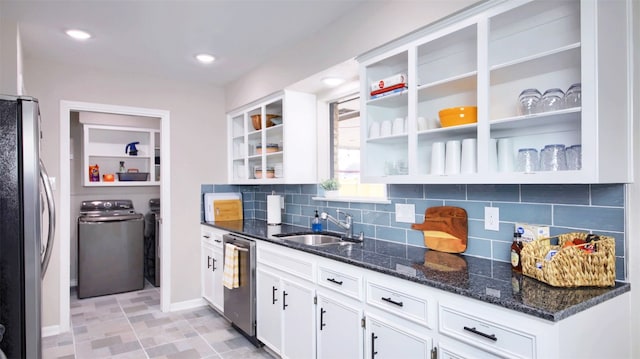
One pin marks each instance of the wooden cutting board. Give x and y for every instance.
(444, 229)
(227, 209)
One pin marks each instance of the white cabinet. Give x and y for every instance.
(339, 330)
(108, 147)
(339, 310)
(485, 57)
(285, 302)
(274, 141)
(403, 319)
(211, 267)
(387, 340)
(269, 309)
(298, 319)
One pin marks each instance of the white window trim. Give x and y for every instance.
(324, 143)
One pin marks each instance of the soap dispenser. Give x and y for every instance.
(316, 225)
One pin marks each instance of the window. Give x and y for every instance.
(345, 150)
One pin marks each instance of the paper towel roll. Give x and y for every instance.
(274, 214)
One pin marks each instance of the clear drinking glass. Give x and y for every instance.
(552, 100)
(527, 160)
(528, 101)
(573, 97)
(552, 158)
(574, 157)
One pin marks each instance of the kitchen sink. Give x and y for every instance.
(314, 239)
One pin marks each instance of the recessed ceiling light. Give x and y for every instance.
(205, 58)
(78, 34)
(332, 81)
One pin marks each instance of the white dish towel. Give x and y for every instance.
(230, 275)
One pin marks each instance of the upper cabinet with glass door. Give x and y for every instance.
(572, 125)
(273, 141)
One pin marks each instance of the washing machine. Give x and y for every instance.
(110, 248)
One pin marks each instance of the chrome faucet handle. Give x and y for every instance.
(347, 216)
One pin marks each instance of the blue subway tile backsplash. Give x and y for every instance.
(597, 208)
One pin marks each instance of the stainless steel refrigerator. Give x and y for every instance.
(26, 211)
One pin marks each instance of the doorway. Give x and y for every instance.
(66, 110)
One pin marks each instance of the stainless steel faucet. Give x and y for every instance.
(347, 224)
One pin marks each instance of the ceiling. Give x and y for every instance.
(160, 38)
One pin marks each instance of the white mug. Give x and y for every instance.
(437, 158)
(385, 128)
(452, 157)
(374, 130)
(505, 155)
(468, 162)
(432, 123)
(422, 124)
(398, 126)
(493, 155)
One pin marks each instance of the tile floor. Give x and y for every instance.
(131, 325)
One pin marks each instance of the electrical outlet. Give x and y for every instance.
(492, 218)
(405, 213)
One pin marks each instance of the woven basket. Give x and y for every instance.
(571, 266)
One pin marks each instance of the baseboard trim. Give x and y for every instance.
(188, 304)
(50, 331)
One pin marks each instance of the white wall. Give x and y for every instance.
(366, 27)
(633, 212)
(198, 153)
(8, 55)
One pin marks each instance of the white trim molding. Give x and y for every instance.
(66, 107)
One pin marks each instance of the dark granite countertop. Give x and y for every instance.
(483, 279)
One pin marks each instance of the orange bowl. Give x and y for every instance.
(257, 121)
(456, 116)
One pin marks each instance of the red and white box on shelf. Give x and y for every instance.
(388, 82)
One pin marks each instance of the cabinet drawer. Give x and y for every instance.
(489, 336)
(284, 259)
(344, 283)
(212, 237)
(399, 302)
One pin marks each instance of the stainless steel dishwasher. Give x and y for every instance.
(240, 303)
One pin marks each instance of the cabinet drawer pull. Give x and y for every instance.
(273, 295)
(333, 280)
(389, 300)
(322, 324)
(217, 241)
(475, 331)
(284, 300)
(206, 236)
(373, 345)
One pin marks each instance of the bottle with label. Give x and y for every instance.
(516, 247)
(316, 225)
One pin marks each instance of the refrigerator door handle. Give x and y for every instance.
(44, 177)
